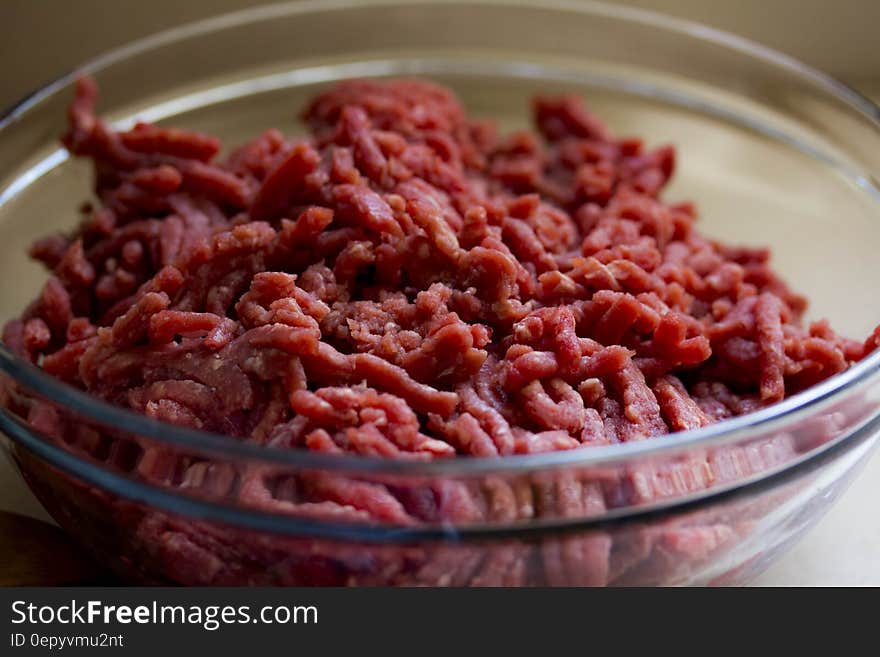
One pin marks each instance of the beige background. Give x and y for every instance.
(40, 39)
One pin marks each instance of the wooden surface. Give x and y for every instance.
(35, 553)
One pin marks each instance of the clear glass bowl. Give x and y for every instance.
(772, 152)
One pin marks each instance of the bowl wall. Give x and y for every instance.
(722, 541)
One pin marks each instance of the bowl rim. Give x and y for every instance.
(291, 525)
(196, 441)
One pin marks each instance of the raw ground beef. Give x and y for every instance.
(405, 283)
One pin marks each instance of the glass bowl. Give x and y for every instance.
(772, 152)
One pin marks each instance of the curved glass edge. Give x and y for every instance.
(292, 7)
(714, 435)
(168, 501)
(724, 432)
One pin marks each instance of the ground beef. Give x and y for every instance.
(405, 283)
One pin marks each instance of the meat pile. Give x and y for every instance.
(405, 283)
